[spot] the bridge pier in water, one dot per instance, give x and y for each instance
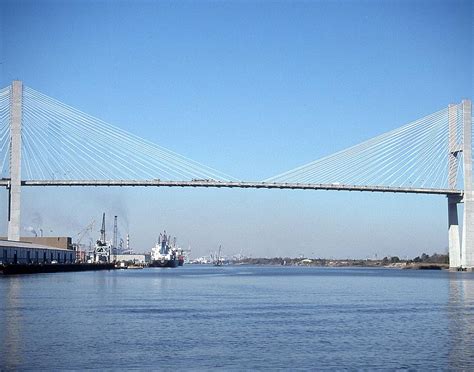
(453, 233)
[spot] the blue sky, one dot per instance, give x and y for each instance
(252, 88)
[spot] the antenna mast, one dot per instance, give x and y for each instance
(115, 233)
(102, 230)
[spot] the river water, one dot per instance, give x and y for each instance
(238, 318)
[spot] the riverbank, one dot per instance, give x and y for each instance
(418, 266)
(342, 263)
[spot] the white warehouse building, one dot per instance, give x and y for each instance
(29, 253)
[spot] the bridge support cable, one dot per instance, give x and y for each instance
(5, 98)
(61, 142)
(455, 145)
(414, 155)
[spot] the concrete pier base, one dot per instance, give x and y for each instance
(454, 234)
(467, 250)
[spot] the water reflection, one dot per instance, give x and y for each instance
(299, 316)
(12, 325)
(461, 321)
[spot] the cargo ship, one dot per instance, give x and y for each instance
(180, 258)
(165, 253)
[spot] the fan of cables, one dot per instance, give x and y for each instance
(5, 95)
(414, 155)
(62, 143)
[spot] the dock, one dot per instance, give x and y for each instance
(13, 269)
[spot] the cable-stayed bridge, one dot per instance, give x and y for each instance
(44, 142)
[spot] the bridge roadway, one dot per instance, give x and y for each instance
(237, 184)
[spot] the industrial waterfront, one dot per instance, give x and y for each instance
(238, 317)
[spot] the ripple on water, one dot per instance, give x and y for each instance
(238, 318)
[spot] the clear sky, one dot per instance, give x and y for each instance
(251, 88)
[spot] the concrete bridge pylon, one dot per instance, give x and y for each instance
(14, 195)
(467, 249)
(461, 251)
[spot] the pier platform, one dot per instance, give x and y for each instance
(12, 269)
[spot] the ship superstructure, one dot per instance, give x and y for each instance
(102, 249)
(166, 252)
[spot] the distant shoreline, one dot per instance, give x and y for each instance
(319, 262)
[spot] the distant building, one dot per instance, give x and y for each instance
(64, 242)
(132, 258)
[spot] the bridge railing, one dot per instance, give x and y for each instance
(234, 184)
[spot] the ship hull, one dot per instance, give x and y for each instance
(164, 263)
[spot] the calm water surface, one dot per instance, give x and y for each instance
(239, 318)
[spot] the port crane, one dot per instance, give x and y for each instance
(80, 235)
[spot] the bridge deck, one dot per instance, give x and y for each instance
(238, 184)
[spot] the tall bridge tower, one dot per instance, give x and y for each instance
(467, 252)
(15, 161)
(461, 251)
